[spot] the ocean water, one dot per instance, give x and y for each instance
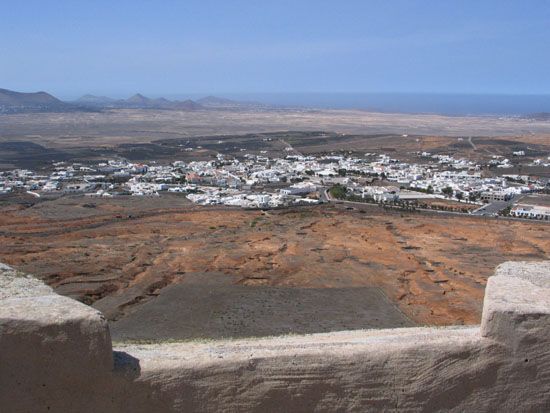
(446, 104)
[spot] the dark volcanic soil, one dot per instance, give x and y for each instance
(208, 305)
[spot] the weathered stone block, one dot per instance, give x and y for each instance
(52, 348)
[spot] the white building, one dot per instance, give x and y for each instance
(301, 188)
(531, 211)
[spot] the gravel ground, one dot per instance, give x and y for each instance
(210, 307)
(14, 284)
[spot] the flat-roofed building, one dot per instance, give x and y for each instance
(531, 211)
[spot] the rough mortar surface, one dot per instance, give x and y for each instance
(56, 355)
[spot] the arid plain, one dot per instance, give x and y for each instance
(224, 272)
(120, 254)
(34, 140)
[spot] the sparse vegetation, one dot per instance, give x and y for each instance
(447, 191)
(506, 211)
(338, 191)
(255, 222)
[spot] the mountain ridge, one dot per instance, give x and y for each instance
(29, 102)
(23, 102)
(11, 97)
(138, 101)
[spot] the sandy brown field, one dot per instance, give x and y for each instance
(119, 254)
(62, 130)
(35, 141)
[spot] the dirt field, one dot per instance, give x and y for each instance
(135, 134)
(211, 305)
(537, 199)
(34, 141)
(447, 204)
(120, 253)
(60, 130)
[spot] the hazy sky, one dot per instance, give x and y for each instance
(177, 47)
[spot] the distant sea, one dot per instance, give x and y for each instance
(445, 104)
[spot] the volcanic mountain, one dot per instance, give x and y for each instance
(186, 105)
(94, 100)
(214, 101)
(19, 102)
(137, 101)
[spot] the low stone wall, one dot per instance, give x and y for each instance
(56, 355)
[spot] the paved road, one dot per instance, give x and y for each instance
(491, 209)
(288, 145)
(495, 207)
(325, 197)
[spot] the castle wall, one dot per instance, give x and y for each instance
(56, 355)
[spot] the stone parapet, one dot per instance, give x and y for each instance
(56, 353)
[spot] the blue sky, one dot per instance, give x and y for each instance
(178, 47)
